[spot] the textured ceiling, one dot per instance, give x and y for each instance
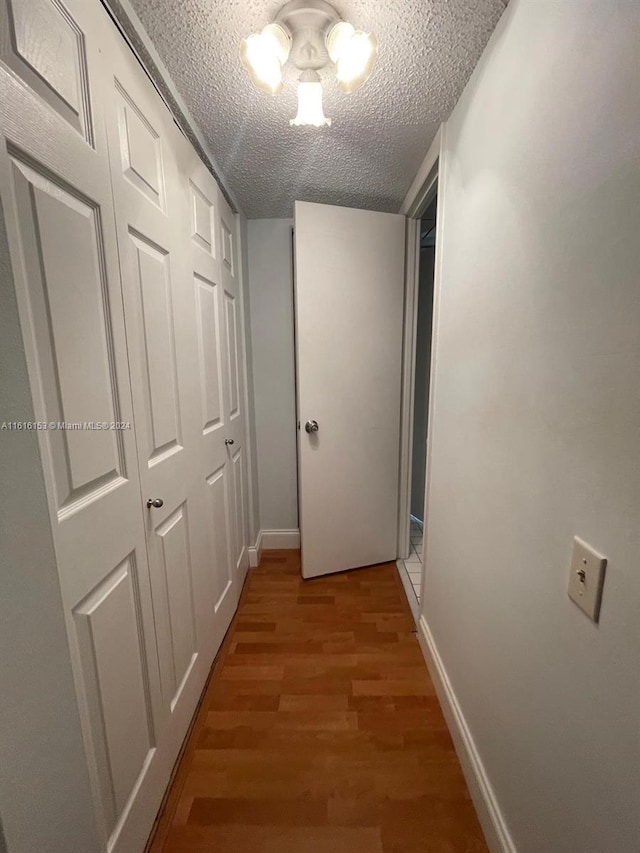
(380, 134)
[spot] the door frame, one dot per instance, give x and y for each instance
(428, 182)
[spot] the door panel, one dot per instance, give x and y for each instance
(76, 364)
(228, 247)
(239, 508)
(174, 575)
(58, 206)
(218, 494)
(140, 149)
(232, 355)
(45, 46)
(349, 299)
(203, 227)
(209, 346)
(152, 275)
(117, 681)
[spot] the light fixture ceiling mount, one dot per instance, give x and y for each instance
(309, 35)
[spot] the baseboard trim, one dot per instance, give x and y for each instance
(267, 540)
(493, 823)
(255, 552)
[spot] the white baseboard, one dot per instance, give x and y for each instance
(493, 823)
(255, 552)
(268, 540)
(285, 539)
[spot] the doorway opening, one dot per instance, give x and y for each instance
(421, 388)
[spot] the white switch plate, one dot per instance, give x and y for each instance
(586, 578)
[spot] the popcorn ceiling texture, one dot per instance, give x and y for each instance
(380, 134)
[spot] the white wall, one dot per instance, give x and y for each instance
(536, 428)
(272, 342)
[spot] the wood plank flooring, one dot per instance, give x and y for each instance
(319, 731)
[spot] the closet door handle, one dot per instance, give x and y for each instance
(155, 502)
(228, 441)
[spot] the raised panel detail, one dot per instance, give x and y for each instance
(218, 491)
(47, 51)
(239, 513)
(115, 677)
(202, 220)
(232, 354)
(209, 349)
(227, 247)
(173, 604)
(140, 150)
(63, 253)
(152, 273)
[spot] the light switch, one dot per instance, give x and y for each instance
(586, 578)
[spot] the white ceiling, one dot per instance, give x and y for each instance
(380, 134)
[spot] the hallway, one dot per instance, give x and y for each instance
(320, 730)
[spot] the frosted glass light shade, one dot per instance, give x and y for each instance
(263, 55)
(310, 109)
(338, 38)
(354, 54)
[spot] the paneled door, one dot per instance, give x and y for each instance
(159, 306)
(234, 380)
(219, 429)
(349, 280)
(57, 204)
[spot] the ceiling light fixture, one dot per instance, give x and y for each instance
(310, 109)
(263, 55)
(309, 34)
(354, 54)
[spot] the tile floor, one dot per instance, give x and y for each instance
(413, 563)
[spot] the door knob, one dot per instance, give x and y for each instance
(311, 426)
(229, 441)
(155, 502)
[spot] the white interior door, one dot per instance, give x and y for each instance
(234, 382)
(151, 208)
(56, 197)
(218, 435)
(349, 287)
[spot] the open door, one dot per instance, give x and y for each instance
(349, 285)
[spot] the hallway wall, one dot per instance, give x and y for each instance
(272, 340)
(537, 418)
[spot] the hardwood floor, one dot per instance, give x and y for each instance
(319, 731)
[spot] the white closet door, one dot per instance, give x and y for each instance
(233, 380)
(159, 303)
(56, 197)
(215, 430)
